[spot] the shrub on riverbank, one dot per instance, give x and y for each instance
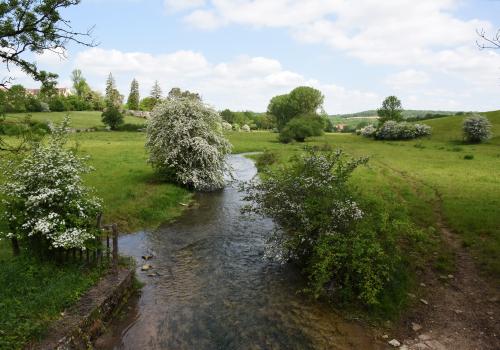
(186, 144)
(45, 202)
(321, 226)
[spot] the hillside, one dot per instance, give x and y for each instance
(450, 128)
(409, 113)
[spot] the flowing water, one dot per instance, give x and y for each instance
(214, 289)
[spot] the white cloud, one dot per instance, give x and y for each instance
(242, 83)
(182, 5)
(407, 79)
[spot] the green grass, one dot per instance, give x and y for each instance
(33, 293)
(133, 196)
(419, 171)
(79, 120)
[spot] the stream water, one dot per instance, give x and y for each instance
(214, 289)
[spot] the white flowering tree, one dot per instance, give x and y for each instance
(186, 144)
(46, 203)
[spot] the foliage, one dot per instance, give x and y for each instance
(186, 144)
(45, 200)
(176, 93)
(265, 159)
(300, 101)
(391, 110)
(300, 128)
(226, 126)
(49, 85)
(368, 131)
(34, 26)
(133, 97)
(112, 117)
(80, 86)
(476, 129)
(156, 94)
(112, 97)
(313, 204)
(392, 130)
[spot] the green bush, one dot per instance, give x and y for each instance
(112, 117)
(299, 128)
(345, 252)
(266, 159)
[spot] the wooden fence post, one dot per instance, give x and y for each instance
(115, 247)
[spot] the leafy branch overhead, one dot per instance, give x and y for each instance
(35, 26)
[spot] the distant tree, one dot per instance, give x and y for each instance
(147, 104)
(133, 97)
(228, 116)
(35, 26)
(112, 117)
(300, 101)
(156, 93)
(299, 128)
(16, 99)
(80, 85)
(176, 93)
(113, 97)
(391, 110)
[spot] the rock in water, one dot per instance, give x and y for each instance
(146, 267)
(394, 343)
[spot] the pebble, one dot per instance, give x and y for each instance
(146, 267)
(451, 276)
(416, 327)
(385, 336)
(394, 343)
(422, 285)
(423, 301)
(411, 295)
(458, 312)
(403, 347)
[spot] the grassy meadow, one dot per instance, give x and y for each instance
(79, 120)
(414, 179)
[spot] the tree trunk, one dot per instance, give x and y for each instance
(15, 246)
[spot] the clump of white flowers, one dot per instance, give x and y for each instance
(186, 144)
(245, 128)
(44, 196)
(368, 131)
(226, 126)
(476, 128)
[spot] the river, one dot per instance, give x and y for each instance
(213, 288)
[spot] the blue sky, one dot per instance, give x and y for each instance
(240, 53)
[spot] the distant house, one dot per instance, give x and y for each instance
(340, 127)
(61, 91)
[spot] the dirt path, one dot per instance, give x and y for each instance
(456, 312)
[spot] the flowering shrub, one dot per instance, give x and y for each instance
(368, 131)
(392, 130)
(476, 128)
(226, 126)
(245, 128)
(186, 144)
(45, 199)
(318, 217)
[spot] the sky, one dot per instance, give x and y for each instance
(238, 54)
